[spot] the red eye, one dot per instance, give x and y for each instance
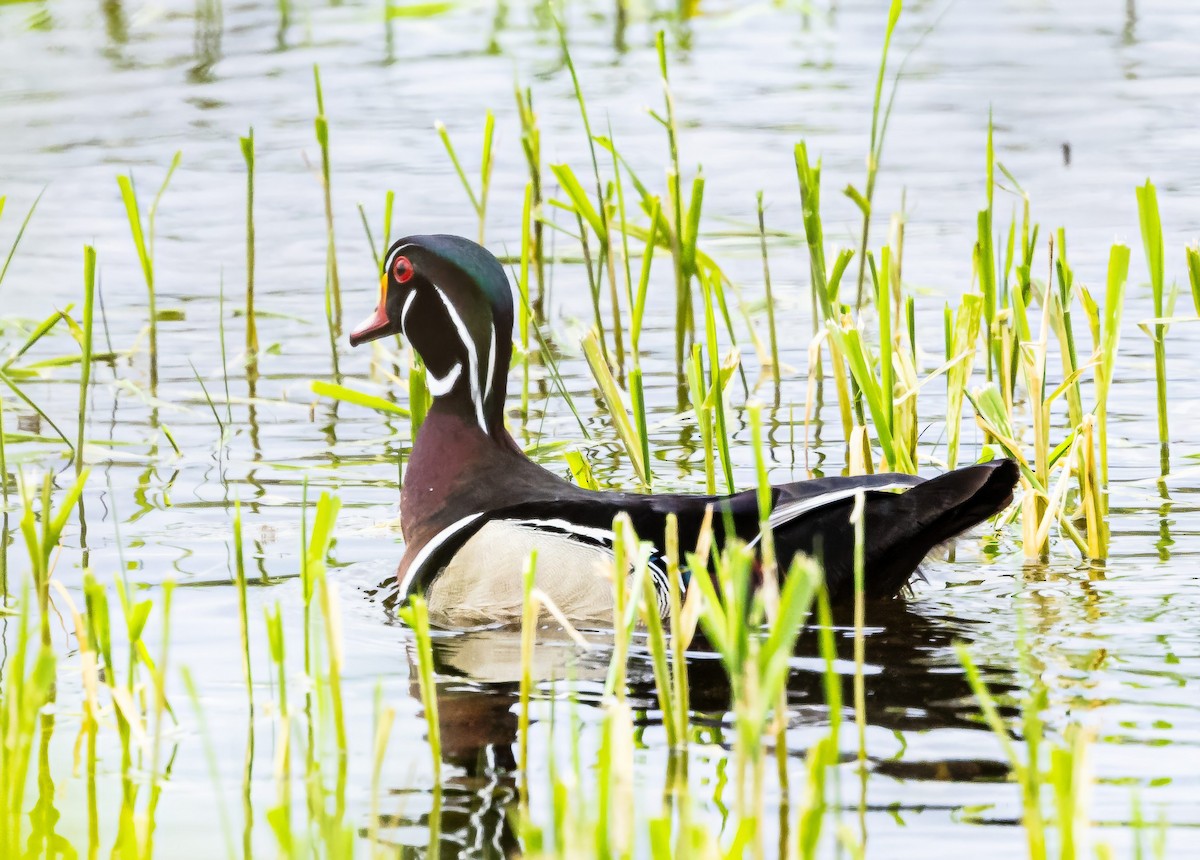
(402, 270)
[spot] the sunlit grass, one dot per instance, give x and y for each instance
(478, 197)
(12, 250)
(143, 243)
(248, 155)
(1164, 301)
(333, 298)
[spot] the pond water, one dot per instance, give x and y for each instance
(1089, 99)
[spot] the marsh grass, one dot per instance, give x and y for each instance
(13, 373)
(1164, 302)
(531, 145)
(881, 381)
(85, 363)
(530, 611)
(478, 198)
(1192, 256)
(143, 243)
(7, 377)
(1042, 765)
(863, 200)
(667, 644)
(29, 684)
(389, 202)
(239, 563)
(595, 215)
(731, 615)
(248, 154)
(4, 504)
(773, 339)
(416, 616)
(525, 305)
(345, 394)
(753, 632)
(333, 297)
(12, 250)
(628, 429)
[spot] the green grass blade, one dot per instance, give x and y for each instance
(20, 232)
(579, 202)
(134, 215)
(419, 10)
(1152, 240)
(358, 398)
(162, 189)
(39, 331)
(1193, 267)
(615, 401)
(7, 380)
(85, 365)
(247, 146)
(444, 134)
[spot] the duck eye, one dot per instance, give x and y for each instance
(402, 270)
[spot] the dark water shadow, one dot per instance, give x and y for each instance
(913, 684)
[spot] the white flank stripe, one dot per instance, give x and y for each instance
(563, 525)
(789, 511)
(438, 387)
(430, 548)
(606, 535)
(408, 302)
(464, 335)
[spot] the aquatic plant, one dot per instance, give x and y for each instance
(143, 243)
(479, 199)
(333, 286)
(247, 146)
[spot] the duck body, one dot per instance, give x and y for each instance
(472, 510)
(473, 506)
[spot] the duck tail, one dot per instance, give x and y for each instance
(902, 528)
(928, 515)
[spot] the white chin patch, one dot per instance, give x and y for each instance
(437, 387)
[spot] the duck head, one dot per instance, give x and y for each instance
(451, 300)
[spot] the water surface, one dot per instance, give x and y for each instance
(88, 91)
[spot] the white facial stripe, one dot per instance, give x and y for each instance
(487, 388)
(430, 548)
(408, 302)
(464, 335)
(438, 387)
(387, 264)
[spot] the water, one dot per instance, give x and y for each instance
(91, 91)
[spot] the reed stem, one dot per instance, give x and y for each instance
(85, 361)
(247, 146)
(321, 124)
(776, 368)
(416, 616)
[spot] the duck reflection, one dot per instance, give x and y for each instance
(913, 684)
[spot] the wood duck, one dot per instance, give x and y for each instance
(473, 505)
